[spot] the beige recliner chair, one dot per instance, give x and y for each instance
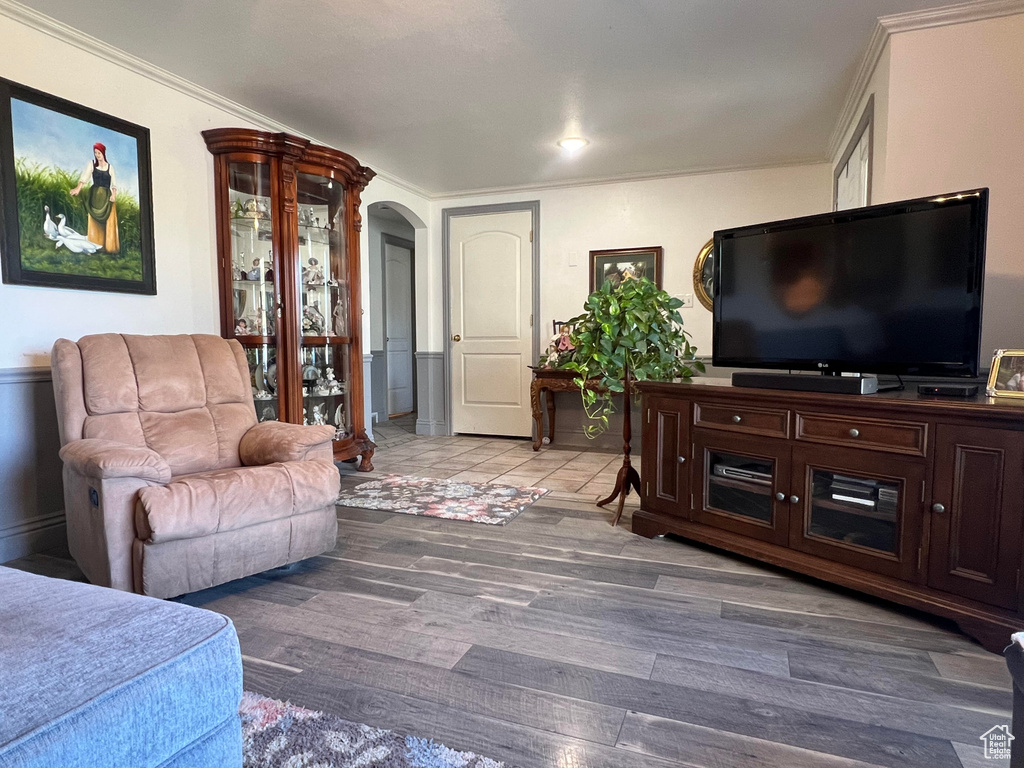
(170, 484)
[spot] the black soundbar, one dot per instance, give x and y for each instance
(840, 385)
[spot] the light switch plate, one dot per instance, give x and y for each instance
(574, 258)
(687, 299)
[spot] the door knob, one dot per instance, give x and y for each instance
(780, 496)
(938, 508)
(456, 337)
(794, 499)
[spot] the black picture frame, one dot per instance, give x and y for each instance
(648, 258)
(138, 237)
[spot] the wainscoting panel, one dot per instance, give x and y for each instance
(32, 500)
(378, 383)
(431, 418)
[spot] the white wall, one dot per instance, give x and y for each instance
(678, 213)
(186, 300)
(877, 86)
(956, 121)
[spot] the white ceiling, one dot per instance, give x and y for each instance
(457, 95)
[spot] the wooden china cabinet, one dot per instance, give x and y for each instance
(288, 255)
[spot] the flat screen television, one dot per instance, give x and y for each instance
(892, 288)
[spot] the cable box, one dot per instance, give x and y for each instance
(948, 390)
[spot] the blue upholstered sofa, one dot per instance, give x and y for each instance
(97, 678)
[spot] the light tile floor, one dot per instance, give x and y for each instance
(585, 474)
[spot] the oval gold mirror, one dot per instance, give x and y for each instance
(704, 275)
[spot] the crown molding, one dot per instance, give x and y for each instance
(59, 30)
(960, 13)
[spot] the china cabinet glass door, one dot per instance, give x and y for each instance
(253, 284)
(324, 301)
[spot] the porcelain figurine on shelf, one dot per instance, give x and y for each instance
(313, 274)
(242, 327)
(340, 321)
(313, 320)
(320, 414)
(333, 385)
(255, 272)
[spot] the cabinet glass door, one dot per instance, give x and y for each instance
(740, 486)
(325, 322)
(253, 285)
(856, 508)
(860, 511)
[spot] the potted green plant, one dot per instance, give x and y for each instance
(632, 332)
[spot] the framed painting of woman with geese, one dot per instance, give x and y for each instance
(76, 202)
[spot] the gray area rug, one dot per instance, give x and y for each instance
(276, 734)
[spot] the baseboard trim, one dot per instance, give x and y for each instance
(433, 428)
(23, 375)
(36, 535)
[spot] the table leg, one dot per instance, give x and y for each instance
(538, 415)
(549, 395)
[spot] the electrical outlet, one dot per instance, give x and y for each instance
(687, 299)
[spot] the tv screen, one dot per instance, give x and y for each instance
(892, 288)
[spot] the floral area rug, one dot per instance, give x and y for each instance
(276, 734)
(449, 499)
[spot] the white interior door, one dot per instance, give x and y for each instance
(398, 327)
(491, 279)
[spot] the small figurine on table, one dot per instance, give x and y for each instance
(242, 328)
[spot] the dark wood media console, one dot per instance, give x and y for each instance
(918, 500)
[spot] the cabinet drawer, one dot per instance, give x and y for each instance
(753, 421)
(908, 437)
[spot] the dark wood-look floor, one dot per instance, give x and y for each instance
(560, 642)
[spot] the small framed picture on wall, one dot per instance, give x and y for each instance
(614, 266)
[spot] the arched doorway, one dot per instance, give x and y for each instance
(391, 304)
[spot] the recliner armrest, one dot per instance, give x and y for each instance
(273, 441)
(103, 459)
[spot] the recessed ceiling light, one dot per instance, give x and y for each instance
(572, 144)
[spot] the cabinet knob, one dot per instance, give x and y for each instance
(854, 433)
(794, 499)
(780, 496)
(456, 337)
(681, 459)
(737, 419)
(938, 508)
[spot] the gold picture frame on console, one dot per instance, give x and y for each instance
(1006, 378)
